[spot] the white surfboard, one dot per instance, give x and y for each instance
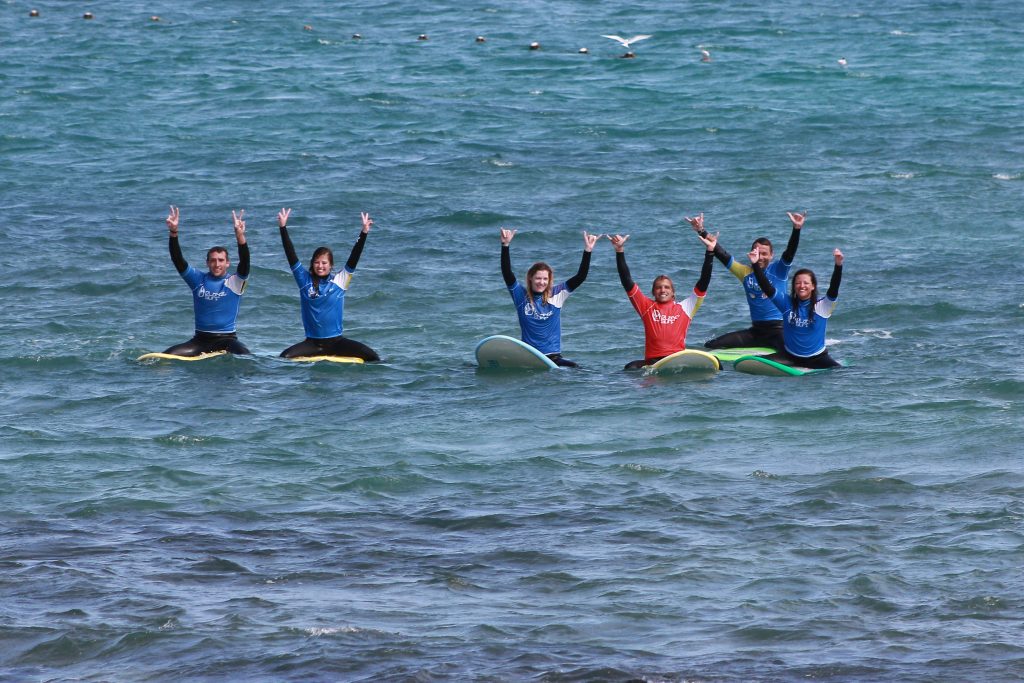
(172, 356)
(506, 353)
(686, 360)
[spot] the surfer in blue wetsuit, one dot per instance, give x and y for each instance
(804, 314)
(766, 322)
(322, 298)
(215, 295)
(539, 304)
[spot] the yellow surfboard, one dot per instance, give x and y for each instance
(328, 359)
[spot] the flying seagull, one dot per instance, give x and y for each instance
(626, 43)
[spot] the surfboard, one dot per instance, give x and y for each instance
(735, 353)
(171, 356)
(506, 353)
(687, 360)
(756, 365)
(327, 359)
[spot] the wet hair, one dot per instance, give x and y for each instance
(214, 250)
(320, 251)
(795, 301)
(538, 266)
(765, 241)
(659, 279)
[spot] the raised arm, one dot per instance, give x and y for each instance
(243, 248)
(180, 264)
(576, 280)
(794, 237)
(697, 223)
(506, 258)
(619, 243)
(762, 280)
(710, 241)
(837, 276)
(357, 248)
(286, 240)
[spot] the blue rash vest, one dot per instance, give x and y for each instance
(215, 300)
(803, 338)
(540, 323)
(323, 308)
(761, 308)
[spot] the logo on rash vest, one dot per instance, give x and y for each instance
(532, 311)
(204, 293)
(797, 321)
(659, 317)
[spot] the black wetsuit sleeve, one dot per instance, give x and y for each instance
(833, 286)
(705, 272)
(357, 251)
(762, 281)
(506, 266)
(624, 276)
(243, 261)
(576, 280)
(790, 253)
(720, 253)
(176, 258)
(289, 248)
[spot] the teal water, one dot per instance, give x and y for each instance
(251, 519)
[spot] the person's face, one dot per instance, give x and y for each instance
(218, 263)
(322, 266)
(664, 291)
(539, 281)
(803, 286)
(764, 255)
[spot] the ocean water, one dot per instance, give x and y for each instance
(252, 519)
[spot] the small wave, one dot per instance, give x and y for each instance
(901, 176)
(219, 565)
(876, 333)
(1006, 176)
(317, 631)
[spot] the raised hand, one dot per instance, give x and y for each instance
(282, 217)
(797, 218)
(709, 240)
(697, 222)
(172, 221)
(239, 222)
(589, 241)
(838, 256)
(367, 221)
(754, 256)
(618, 241)
(507, 235)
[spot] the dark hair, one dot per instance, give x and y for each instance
(795, 302)
(214, 250)
(765, 241)
(539, 265)
(320, 251)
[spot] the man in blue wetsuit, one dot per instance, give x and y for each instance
(766, 320)
(215, 294)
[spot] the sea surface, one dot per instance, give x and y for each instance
(253, 519)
